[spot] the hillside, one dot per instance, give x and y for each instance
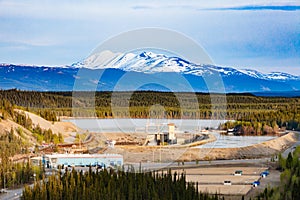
(7, 125)
(107, 71)
(27, 129)
(56, 127)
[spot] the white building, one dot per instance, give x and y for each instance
(73, 160)
(172, 135)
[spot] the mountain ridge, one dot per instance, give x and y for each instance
(143, 71)
(154, 63)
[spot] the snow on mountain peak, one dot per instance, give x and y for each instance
(281, 76)
(253, 73)
(270, 76)
(149, 54)
(149, 62)
(101, 60)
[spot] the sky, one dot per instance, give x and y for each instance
(262, 35)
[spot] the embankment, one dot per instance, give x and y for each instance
(263, 149)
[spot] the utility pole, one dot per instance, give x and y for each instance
(153, 155)
(160, 154)
(4, 180)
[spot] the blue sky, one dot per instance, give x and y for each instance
(262, 35)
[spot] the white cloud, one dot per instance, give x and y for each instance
(19, 39)
(68, 30)
(60, 9)
(67, 9)
(36, 42)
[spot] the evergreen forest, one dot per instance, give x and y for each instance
(115, 185)
(289, 188)
(255, 115)
(110, 184)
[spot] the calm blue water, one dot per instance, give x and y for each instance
(224, 141)
(139, 125)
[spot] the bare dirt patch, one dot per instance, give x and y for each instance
(222, 170)
(225, 189)
(7, 125)
(64, 128)
(211, 179)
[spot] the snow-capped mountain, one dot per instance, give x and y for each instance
(149, 62)
(269, 76)
(146, 62)
(143, 71)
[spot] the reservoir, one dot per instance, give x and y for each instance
(225, 141)
(182, 125)
(140, 125)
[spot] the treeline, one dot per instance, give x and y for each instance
(46, 135)
(14, 174)
(11, 173)
(48, 114)
(120, 185)
(39, 133)
(289, 179)
(13, 143)
(10, 144)
(285, 112)
(250, 128)
(6, 109)
(34, 99)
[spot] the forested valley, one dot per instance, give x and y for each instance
(150, 185)
(255, 115)
(15, 144)
(116, 185)
(15, 173)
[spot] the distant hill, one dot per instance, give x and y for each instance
(145, 71)
(278, 94)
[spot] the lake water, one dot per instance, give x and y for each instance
(182, 125)
(139, 125)
(225, 141)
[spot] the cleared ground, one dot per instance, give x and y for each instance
(222, 170)
(219, 179)
(135, 154)
(225, 189)
(211, 179)
(270, 181)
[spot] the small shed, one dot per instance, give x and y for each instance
(227, 182)
(264, 174)
(238, 173)
(255, 183)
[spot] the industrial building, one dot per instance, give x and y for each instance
(166, 137)
(82, 160)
